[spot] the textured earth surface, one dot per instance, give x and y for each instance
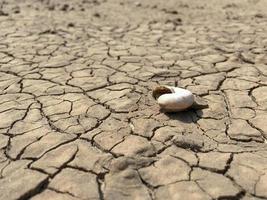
(77, 119)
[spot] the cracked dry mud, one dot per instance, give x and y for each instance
(78, 120)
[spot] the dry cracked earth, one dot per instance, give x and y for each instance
(77, 119)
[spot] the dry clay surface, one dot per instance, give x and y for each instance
(77, 119)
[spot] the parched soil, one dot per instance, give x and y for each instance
(77, 118)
